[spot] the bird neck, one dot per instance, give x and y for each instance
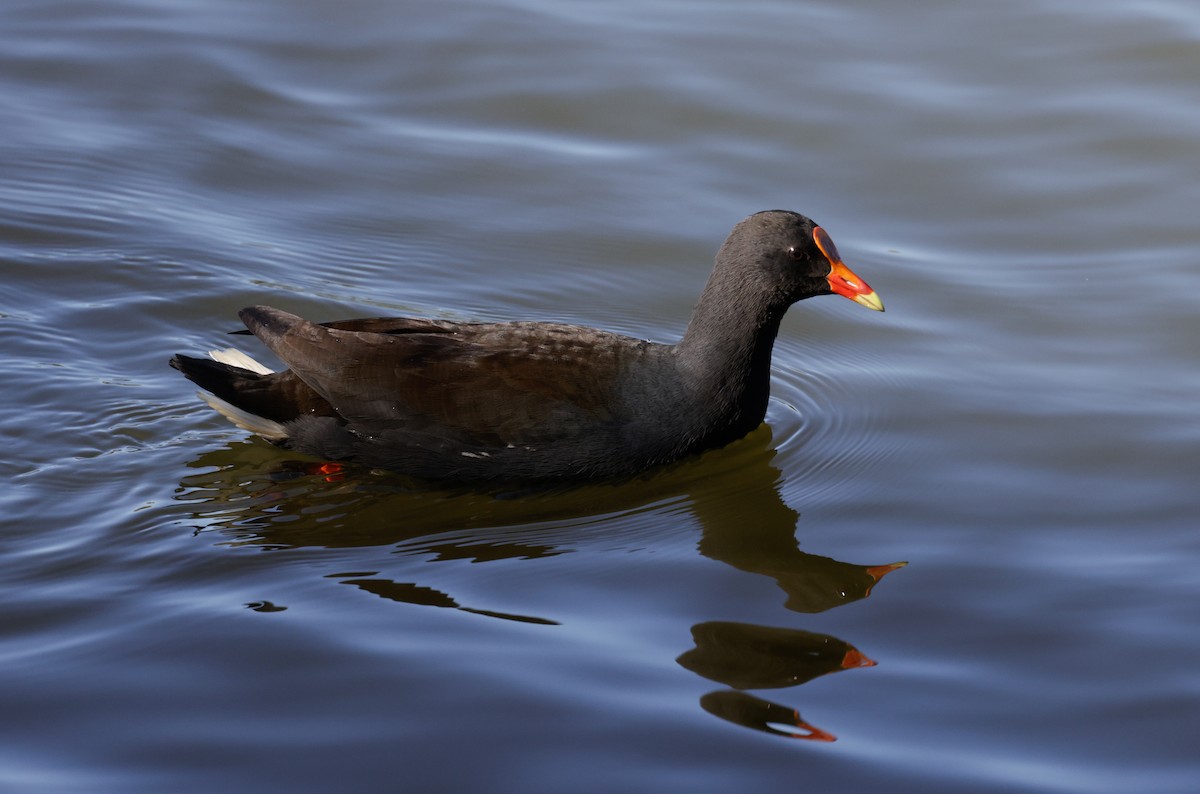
(726, 351)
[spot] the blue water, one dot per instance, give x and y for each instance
(1017, 181)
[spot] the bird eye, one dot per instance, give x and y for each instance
(794, 252)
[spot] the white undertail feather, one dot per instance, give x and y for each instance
(267, 428)
(236, 358)
(260, 426)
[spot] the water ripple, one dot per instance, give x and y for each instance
(826, 419)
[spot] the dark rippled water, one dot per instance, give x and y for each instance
(1018, 181)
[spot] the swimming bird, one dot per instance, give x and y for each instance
(531, 402)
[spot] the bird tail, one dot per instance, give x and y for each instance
(228, 375)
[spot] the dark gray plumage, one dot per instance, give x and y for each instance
(529, 401)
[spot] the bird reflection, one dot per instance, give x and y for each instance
(761, 715)
(243, 493)
(409, 593)
(743, 656)
(247, 495)
(761, 657)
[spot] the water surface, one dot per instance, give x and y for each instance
(1018, 182)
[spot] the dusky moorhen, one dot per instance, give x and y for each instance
(531, 402)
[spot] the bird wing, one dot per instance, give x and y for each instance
(501, 384)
